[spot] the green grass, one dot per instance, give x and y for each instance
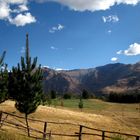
(98, 106)
(94, 104)
(88, 104)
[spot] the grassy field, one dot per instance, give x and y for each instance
(96, 113)
(99, 106)
(88, 104)
(12, 136)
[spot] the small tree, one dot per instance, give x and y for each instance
(49, 100)
(67, 96)
(3, 79)
(85, 94)
(53, 94)
(81, 105)
(26, 85)
(2, 58)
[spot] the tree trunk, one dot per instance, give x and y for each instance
(28, 130)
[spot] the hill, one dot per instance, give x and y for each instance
(112, 77)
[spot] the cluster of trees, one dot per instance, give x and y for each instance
(23, 84)
(52, 95)
(129, 97)
(3, 79)
(54, 98)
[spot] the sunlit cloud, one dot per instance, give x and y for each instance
(91, 5)
(133, 50)
(114, 59)
(59, 27)
(110, 18)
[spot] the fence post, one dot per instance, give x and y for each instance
(80, 132)
(137, 137)
(44, 132)
(50, 134)
(0, 116)
(0, 119)
(103, 135)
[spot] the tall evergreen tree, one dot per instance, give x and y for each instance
(2, 58)
(3, 79)
(26, 84)
(53, 94)
(85, 94)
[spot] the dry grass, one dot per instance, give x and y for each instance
(6, 135)
(115, 118)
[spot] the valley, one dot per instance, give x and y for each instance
(96, 114)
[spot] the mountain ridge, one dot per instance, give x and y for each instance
(115, 77)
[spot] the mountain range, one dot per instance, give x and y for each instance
(116, 77)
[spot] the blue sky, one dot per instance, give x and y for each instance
(71, 34)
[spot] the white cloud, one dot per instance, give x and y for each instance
(23, 8)
(53, 48)
(45, 66)
(91, 5)
(58, 69)
(119, 52)
(15, 1)
(132, 2)
(23, 19)
(59, 27)
(19, 18)
(109, 31)
(7, 7)
(134, 49)
(114, 59)
(4, 10)
(110, 18)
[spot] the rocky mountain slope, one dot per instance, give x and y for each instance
(112, 77)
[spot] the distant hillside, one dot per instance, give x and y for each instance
(112, 77)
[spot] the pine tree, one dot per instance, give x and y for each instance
(53, 94)
(81, 105)
(2, 58)
(3, 79)
(26, 84)
(85, 94)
